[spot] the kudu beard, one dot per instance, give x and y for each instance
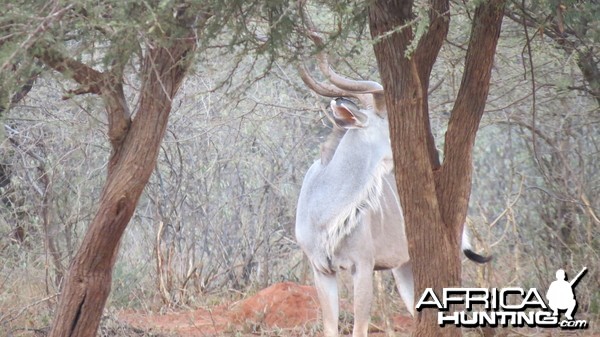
(493, 307)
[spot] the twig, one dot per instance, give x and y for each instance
(11, 316)
(508, 208)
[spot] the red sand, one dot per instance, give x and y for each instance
(281, 306)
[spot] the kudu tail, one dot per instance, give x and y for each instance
(471, 255)
(468, 250)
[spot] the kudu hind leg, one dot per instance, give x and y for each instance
(405, 283)
(327, 291)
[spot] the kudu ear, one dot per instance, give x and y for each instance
(347, 115)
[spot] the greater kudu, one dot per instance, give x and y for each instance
(349, 215)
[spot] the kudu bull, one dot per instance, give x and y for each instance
(349, 215)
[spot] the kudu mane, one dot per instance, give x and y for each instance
(367, 200)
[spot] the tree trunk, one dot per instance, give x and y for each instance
(434, 197)
(135, 149)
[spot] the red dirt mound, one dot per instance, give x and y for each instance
(283, 305)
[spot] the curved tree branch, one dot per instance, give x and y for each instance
(108, 85)
(468, 110)
(88, 77)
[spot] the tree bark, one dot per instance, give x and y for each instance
(434, 196)
(428, 49)
(135, 144)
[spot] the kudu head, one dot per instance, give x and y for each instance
(369, 117)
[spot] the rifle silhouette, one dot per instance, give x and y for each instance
(578, 277)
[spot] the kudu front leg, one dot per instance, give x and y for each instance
(327, 291)
(363, 296)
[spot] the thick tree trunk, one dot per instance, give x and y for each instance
(434, 197)
(135, 148)
(435, 259)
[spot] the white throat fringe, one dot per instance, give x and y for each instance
(368, 200)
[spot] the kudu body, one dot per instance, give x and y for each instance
(349, 215)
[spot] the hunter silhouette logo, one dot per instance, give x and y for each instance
(561, 294)
(511, 306)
